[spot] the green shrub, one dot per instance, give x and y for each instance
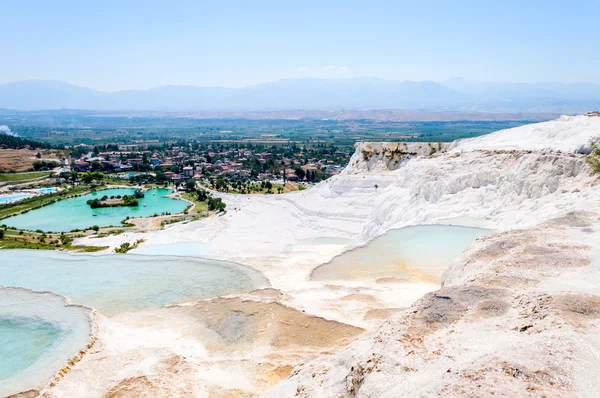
(124, 248)
(593, 159)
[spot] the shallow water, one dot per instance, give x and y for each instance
(16, 196)
(75, 213)
(414, 253)
(117, 283)
(46, 190)
(190, 249)
(22, 342)
(39, 332)
(466, 221)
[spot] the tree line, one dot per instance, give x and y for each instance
(13, 142)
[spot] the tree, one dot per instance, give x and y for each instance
(95, 228)
(202, 195)
(220, 184)
(318, 174)
(160, 177)
(216, 204)
(190, 185)
(299, 171)
(87, 177)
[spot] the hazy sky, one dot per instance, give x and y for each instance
(111, 45)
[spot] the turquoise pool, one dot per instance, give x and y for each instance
(117, 283)
(419, 252)
(24, 340)
(46, 190)
(39, 333)
(16, 196)
(75, 213)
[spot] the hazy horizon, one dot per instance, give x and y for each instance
(113, 46)
(312, 93)
(442, 82)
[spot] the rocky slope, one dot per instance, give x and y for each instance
(518, 315)
(223, 347)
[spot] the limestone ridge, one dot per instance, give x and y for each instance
(511, 187)
(388, 156)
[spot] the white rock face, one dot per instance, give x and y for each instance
(505, 323)
(518, 314)
(512, 189)
(373, 157)
(569, 134)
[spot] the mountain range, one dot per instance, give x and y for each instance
(358, 93)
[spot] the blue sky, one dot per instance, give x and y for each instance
(112, 45)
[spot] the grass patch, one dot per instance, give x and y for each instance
(108, 233)
(14, 239)
(16, 177)
(199, 207)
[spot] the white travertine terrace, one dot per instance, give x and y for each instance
(511, 179)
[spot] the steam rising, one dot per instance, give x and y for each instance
(4, 129)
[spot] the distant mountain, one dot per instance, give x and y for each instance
(358, 93)
(47, 94)
(547, 97)
(284, 94)
(489, 90)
